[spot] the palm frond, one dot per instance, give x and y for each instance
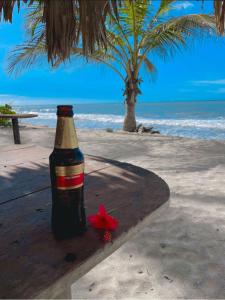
(99, 56)
(150, 68)
(165, 6)
(169, 36)
(132, 15)
(33, 19)
(26, 55)
(117, 46)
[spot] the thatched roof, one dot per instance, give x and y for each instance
(62, 28)
(219, 6)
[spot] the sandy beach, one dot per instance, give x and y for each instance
(181, 255)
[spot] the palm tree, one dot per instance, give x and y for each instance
(132, 38)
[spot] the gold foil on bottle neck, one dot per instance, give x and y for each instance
(69, 170)
(66, 137)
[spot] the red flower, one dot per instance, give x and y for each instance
(102, 220)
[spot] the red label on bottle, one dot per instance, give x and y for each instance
(70, 177)
(70, 182)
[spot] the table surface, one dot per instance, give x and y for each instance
(17, 116)
(32, 262)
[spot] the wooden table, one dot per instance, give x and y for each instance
(15, 123)
(32, 263)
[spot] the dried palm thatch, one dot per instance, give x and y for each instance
(68, 20)
(219, 7)
(219, 10)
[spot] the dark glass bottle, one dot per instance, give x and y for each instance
(67, 178)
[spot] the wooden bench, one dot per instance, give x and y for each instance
(15, 123)
(32, 262)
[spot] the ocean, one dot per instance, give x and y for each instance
(200, 120)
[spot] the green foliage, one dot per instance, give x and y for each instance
(6, 109)
(165, 7)
(140, 31)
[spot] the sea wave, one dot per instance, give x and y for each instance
(118, 119)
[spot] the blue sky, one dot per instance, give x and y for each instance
(198, 73)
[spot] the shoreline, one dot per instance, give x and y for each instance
(29, 126)
(195, 120)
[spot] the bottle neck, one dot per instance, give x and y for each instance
(66, 137)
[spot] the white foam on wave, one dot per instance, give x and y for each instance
(198, 123)
(118, 119)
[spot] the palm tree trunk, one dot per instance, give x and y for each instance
(130, 120)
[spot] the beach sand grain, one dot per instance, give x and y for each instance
(180, 255)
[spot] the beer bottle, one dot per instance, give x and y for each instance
(67, 178)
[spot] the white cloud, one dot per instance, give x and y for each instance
(183, 5)
(209, 82)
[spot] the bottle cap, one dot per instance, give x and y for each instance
(65, 110)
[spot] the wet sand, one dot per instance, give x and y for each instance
(181, 255)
